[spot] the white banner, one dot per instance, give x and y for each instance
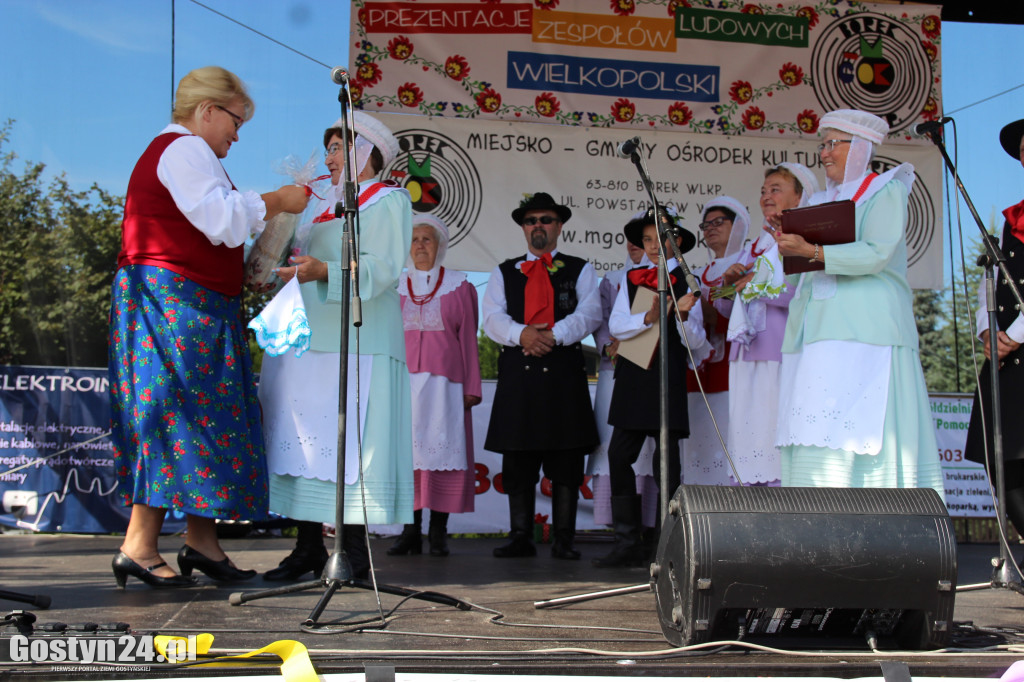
(473, 174)
(966, 485)
(701, 66)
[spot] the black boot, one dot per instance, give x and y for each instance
(437, 534)
(353, 542)
(629, 547)
(520, 516)
(411, 539)
(564, 499)
(309, 555)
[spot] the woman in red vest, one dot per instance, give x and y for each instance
(184, 417)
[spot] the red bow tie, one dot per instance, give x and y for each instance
(647, 277)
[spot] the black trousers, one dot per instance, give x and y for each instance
(520, 471)
(623, 450)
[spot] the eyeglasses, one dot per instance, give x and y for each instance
(543, 220)
(235, 118)
(332, 150)
(717, 222)
(831, 145)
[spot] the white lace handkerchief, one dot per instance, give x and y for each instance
(741, 328)
(283, 323)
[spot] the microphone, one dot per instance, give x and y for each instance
(339, 75)
(626, 149)
(929, 127)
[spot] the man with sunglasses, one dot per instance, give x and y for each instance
(539, 307)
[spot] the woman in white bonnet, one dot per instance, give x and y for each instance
(300, 395)
(757, 324)
(439, 312)
(725, 224)
(854, 409)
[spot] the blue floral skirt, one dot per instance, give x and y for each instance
(185, 420)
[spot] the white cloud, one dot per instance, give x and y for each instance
(122, 25)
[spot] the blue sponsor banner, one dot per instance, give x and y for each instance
(613, 77)
(56, 459)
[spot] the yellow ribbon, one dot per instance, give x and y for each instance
(295, 663)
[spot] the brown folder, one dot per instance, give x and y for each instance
(824, 224)
(640, 349)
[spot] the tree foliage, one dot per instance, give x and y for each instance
(946, 324)
(58, 260)
(488, 356)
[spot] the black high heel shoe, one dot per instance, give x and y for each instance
(124, 566)
(221, 571)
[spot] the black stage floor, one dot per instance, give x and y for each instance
(504, 634)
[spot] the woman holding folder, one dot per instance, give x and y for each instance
(854, 409)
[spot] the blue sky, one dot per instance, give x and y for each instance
(88, 83)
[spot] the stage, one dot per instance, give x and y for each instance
(502, 634)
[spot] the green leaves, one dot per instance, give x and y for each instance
(57, 262)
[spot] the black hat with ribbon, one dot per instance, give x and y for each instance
(541, 201)
(634, 229)
(1010, 137)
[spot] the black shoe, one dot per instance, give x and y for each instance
(409, 542)
(354, 545)
(564, 499)
(518, 546)
(629, 547)
(622, 555)
(301, 561)
(124, 566)
(438, 533)
(221, 571)
(561, 551)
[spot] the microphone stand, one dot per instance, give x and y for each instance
(663, 379)
(1004, 571)
(338, 570)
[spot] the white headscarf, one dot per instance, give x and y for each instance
(738, 235)
(371, 133)
(808, 181)
(866, 131)
(423, 281)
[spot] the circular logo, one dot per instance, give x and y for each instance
(874, 63)
(920, 212)
(441, 179)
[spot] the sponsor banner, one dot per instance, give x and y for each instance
(967, 489)
(472, 176)
(44, 410)
(56, 459)
(700, 66)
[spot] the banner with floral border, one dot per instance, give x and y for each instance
(473, 175)
(700, 66)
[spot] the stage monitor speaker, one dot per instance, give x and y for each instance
(806, 567)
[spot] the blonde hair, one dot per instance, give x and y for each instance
(210, 85)
(789, 175)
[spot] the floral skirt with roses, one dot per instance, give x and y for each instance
(184, 417)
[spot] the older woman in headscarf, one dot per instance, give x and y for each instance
(854, 409)
(725, 225)
(300, 394)
(439, 313)
(756, 327)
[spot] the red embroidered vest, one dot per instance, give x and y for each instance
(155, 232)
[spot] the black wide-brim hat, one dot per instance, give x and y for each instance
(634, 230)
(1010, 137)
(541, 201)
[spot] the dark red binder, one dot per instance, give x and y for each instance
(825, 224)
